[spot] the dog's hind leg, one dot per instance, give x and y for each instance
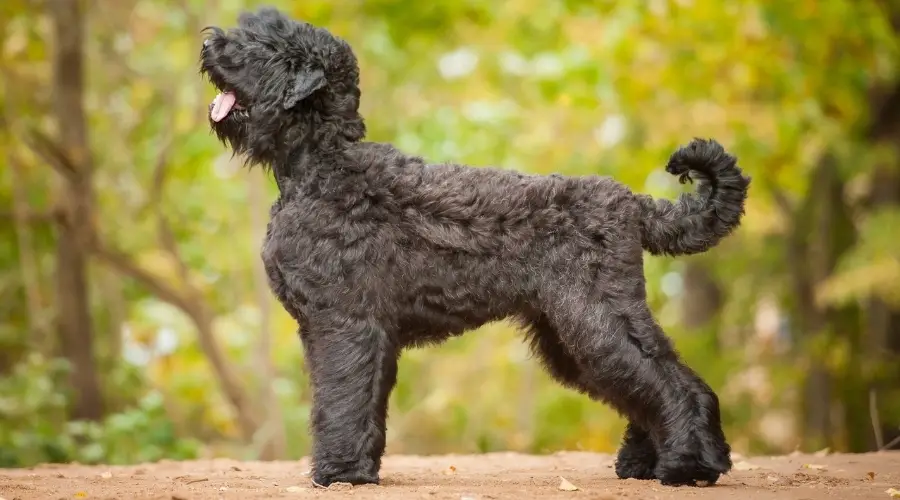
(699, 446)
(656, 393)
(353, 367)
(636, 458)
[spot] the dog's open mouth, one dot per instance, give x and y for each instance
(223, 104)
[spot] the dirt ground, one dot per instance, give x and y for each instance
(491, 476)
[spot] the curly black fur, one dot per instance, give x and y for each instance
(372, 251)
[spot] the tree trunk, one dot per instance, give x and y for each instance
(826, 219)
(822, 232)
(882, 346)
(73, 318)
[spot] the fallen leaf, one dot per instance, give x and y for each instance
(814, 466)
(80, 494)
(893, 492)
(824, 452)
(106, 475)
(870, 475)
(745, 466)
(565, 485)
(450, 470)
(293, 489)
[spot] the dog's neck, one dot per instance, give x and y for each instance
(307, 163)
(318, 138)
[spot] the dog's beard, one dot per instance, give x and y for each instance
(232, 128)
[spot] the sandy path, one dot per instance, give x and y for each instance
(492, 476)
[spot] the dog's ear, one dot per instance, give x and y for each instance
(304, 84)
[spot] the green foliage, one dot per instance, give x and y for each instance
(872, 268)
(32, 412)
(34, 427)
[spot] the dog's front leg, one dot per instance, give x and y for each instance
(353, 367)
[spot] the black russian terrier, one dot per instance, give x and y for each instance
(373, 250)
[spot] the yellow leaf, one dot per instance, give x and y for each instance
(565, 485)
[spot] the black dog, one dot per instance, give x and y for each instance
(373, 251)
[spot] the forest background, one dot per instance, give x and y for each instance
(135, 320)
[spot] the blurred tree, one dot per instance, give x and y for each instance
(70, 155)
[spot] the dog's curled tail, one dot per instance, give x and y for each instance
(697, 221)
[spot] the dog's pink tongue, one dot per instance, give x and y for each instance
(222, 106)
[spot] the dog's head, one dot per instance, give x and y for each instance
(282, 84)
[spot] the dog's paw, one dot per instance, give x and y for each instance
(350, 476)
(636, 460)
(637, 455)
(686, 470)
(633, 468)
(356, 473)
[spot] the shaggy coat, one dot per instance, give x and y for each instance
(373, 250)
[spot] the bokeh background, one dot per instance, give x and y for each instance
(135, 320)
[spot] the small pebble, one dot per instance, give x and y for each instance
(340, 486)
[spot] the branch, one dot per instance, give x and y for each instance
(30, 216)
(160, 173)
(194, 308)
(167, 240)
(890, 445)
(158, 287)
(876, 422)
(784, 204)
(49, 151)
